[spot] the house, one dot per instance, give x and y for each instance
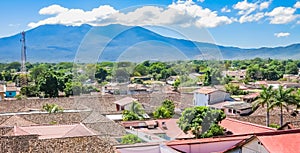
(207, 96)
(53, 131)
(233, 108)
(291, 85)
(166, 128)
(170, 80)
(11, 90)
(138, 89)
(236, 75)
(290, 125)
(275, 84)
(286, 141)
(238, 108)
(250, 97)
(2, 92)
(124, 103)
(291, 77)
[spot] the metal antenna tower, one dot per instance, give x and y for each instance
(23, 78)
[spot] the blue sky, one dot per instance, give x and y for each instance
(241, 23)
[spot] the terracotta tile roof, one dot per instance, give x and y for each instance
(251, 95)
(125, 101)
(55, 131)
(281, 143)
(220, 105)
(11, 88)
(17, 121)
(206, 90)
(240, 127)
(2, 88)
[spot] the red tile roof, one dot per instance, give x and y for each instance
(54, 131)
(206, 90)
(251, 95)
(281, 143)
(125, 101)
(240, 127)
(17, 121)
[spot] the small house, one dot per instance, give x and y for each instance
(171, 80)
(2, 92)
(238, 108)
(208, 96)
(124, 104)
(236, 75)
(11, 90)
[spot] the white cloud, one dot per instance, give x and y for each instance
(250, 12)
(282, 15)
(225, 10)
(52, 9)
(264, 5)
(245, 7)
(297, 4)
(251, 18)
(184, 13)
(298, 22)
(281, 34)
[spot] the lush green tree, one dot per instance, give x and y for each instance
(49, 84)
(13, 66)
(73, 88)
(291, 68)
(207, 78)
(37, 71)
(200, 121)
(101, 74)
(130, 116)
(130, 139)
(7, 75)
(52, 108)
(137, 108)
(282, 98)
(169, 104)
(30, 90)
(176, 84)
(234, 89)
(135, 112)
(265, 99)
(161, 112)
(141, 69)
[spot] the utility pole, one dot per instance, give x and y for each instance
(23, 74)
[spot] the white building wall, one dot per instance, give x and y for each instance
(254, 146)
(200, 99)
(218, 96)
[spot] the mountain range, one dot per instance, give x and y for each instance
(58, 43)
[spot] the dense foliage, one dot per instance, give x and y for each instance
(50, 79)
(166, 110)
(130, 139)
(135, 112)
(52, 108)
(202, 121)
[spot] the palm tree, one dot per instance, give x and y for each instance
(137, 108)
(282, 98)
(265, 98)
